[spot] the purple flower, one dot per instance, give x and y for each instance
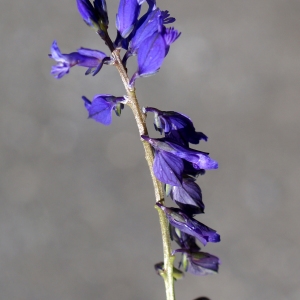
(151, 22)
(102, 106)
(199, 159)
(127, 15)
(166, 151)
(176, 126)
(124, 42)
(94, 16)
(92, 59)
(87, 12)
(101, 9)
(152, 52)
(188, 196)
(145, 29)
(199, 263)
(190, 225)
(168, 168)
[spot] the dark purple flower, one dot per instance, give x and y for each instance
(92, 59)
(124, 42)
(176, 125)
(200, 160)
(168, 168)
(190, 225)
(151, 22)
(94, 16)
(101, 9)
(151, 55)
(87, 12)
(145, 29)
(127, 15)
(199, 263)
(185, 241)
(102, 106)
(188, 196)
(152, 52)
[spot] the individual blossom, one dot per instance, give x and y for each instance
(189, 225)
(169, 160)
(100, 109)
(101, 9)
(124, 42)
(188, 196)
(91, 59)
(175, 125)
(94, 16)
(127, 16)
(144, 29)
(199, 263)
(168, 168)
(150, 57)
(152, 52)
(151, 22)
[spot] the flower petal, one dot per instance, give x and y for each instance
(151, 55)
(127, 15)
(101, 108)
(168, 168)
(190, 225)
(188, 196)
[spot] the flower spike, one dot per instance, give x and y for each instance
(174, 164)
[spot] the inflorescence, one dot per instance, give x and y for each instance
(175, 164)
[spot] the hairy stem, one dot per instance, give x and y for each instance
(140, 119)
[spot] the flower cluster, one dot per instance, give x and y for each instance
(176, 165)
(145, 36)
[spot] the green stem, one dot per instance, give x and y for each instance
(140, 119)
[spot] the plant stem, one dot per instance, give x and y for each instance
(140, 119)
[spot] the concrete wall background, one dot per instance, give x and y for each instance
(76, 202)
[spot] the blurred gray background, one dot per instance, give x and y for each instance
(76, 200)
